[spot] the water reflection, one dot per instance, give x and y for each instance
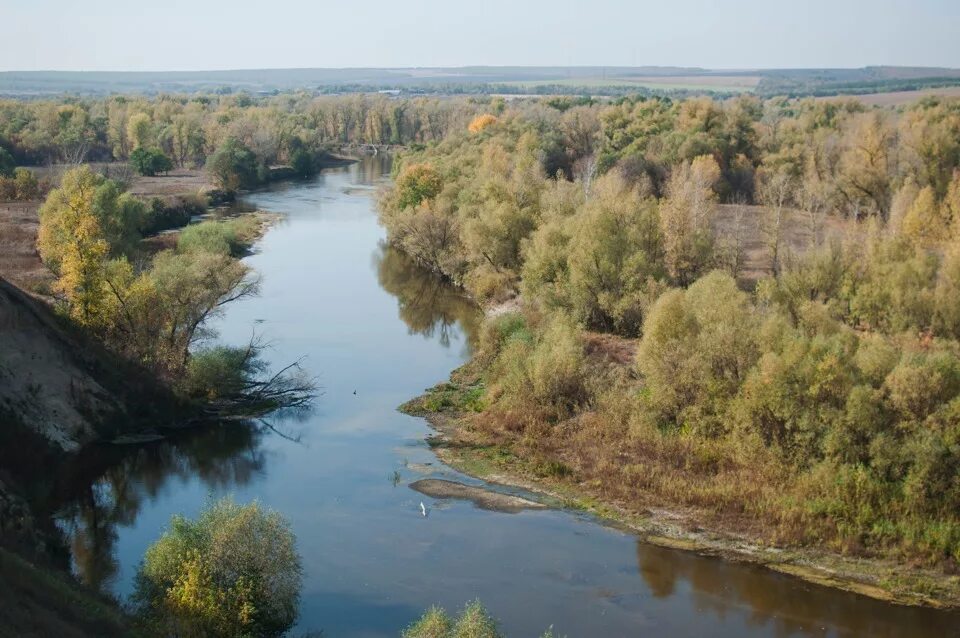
(428, 304)
(108, 485)
(370, 170)
(783, 605)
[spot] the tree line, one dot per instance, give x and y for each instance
(169, 131)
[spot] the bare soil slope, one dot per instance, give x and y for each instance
(60, 384)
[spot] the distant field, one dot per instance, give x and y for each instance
(722, 83)
(899, 98)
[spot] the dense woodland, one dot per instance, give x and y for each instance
(819, 404)
(190, 131)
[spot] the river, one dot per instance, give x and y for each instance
(376, 331)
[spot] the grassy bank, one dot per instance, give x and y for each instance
(465, 440)
(41, 602)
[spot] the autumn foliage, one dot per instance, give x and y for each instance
(481, 122)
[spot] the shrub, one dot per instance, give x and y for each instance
(698, 347)
(161, 216)
(22, 186)
(481, 122)
(473, 622)
(301, 161)
(544, 371)
(149, 162)
(220, 237)
(417, 183)
(234, 571)
(234, 166)
(219, 373)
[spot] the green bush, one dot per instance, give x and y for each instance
(234, 166)
(149, 162)
(473, 622)
(233, 571)
(230, 237)
(219, 373)
(543, 371)
(161, 216)
(7, 163)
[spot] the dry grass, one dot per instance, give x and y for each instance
(180, 181)
(719, 81)
(799, 232)
(898, 98)
(19, 260)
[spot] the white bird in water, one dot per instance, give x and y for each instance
(423, 509)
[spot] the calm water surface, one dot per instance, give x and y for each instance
(376, 331)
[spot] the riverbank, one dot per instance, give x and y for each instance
(450, 409)
(63, 391)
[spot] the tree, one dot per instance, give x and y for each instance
(234, 571)
(139, 130)
(951, 205)
(234, 166)
(776, 190)
(25, 184)
(162, 311)
(685, 218)
(865, 165)
(149, 162)
(481, 122)
(615, 257)
(698, 346)
(7, 164)
(416, 183)
(301, 160)
(72, 242)
(926, 219)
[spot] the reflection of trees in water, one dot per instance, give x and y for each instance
(370, 168)
(428, 305)
(108, 486)
(787, 605)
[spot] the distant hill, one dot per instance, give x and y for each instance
(612, 80)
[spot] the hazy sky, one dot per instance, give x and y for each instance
(235, 34)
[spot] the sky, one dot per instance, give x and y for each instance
(126, 35)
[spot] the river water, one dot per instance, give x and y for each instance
(376, 331)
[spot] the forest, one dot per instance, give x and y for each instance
(745, 307)
(188, 129)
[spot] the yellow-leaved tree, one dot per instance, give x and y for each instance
(481, 122)
(924, 219)
(72, 243)
(138, 130)
(685, 218)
